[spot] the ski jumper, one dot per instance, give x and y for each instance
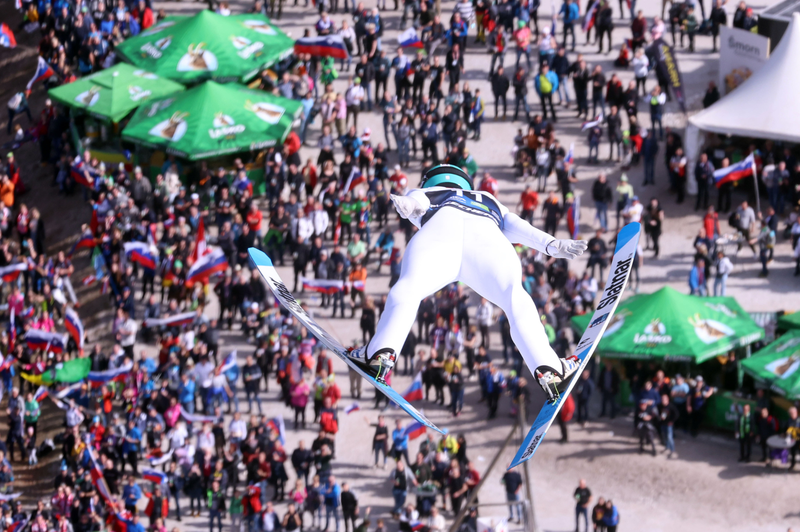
(467, 236)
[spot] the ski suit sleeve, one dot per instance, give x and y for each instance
(412, 206)
(518, 231)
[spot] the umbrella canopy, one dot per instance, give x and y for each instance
(777, 365)
(674, 326)
(113, 93)
(208, 46)
(789, 321)
(213, 119)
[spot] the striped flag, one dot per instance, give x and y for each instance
(588, 19)
(89, 279)
(574, 216)
(85, 241)
(322, 46)
(200, 246)
(276, 425)
(197, 418)
(43, 71)
(41, 393)
(570, 157)
(99, 378)
(210, 264)
(78, 172)
(155, 476)
(141, 253)
(41, 340)
(592, 123)
(7, 38)
(415, 430)
(414, 392)
(735, 172)
(98, 479)
(352, 408)
(178, 320)
(10, 273)
(74, 326)
(353, 180)
(410, 39)
(323, 286)
(229, 362)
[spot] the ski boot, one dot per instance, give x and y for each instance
(378, 366)
(549, 379)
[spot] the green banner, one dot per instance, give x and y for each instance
(668, 325)
(113, 93)
(208, 46)
(213, 119)
(776, 366)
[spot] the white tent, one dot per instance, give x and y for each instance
(766, 106)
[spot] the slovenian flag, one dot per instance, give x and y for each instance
(41, 394)
(415, 430)
(592, 123)
(154, 476)
(7, 38)
(17, 526)
(353, 180)
(410, 39)
(10, 273)
(158, 460)
(322, 46)
(570, 158)
(74, 326)
(414, 392)
(43, 71)
(323, 286)
(78, 171)
(69, 390)
(141, 253)
(228, 363)
(206, 266)
(178, 320)
(352, 408)
(98, 479)
(41, 340)
(276, 425)
(588, 19)
(735, 172)
(100, 378)
(28, 313)
(86, 241)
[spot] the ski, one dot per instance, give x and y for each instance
(265, 267)
(627, 242)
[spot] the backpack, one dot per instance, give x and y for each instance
(734, 220)
(545, 87)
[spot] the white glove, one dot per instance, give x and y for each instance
(407, 207)
(566, 249)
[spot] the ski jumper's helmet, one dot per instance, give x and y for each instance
(446, 175)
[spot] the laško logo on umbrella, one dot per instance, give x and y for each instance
(156, 49)
(225, 126)
(89, 98)
(246, 47)
(197, 58)
(709, 331)
(172, 129)
(267, 112)
(137, 93)
(139, 73)
(784, 367)
(654, 333)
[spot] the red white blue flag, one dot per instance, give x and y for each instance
(735, 172)
(323, 286)
(206, 266)
(7, 38)
(322, 46)
(414, 392)
(74, 326)
(178, 320)
(43, 71)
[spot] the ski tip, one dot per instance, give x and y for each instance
(258, 257)
(627, 233)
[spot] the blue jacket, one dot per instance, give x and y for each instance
(332, 494)
(551, 77)
(611, 518)
(694, 278)
(570, 11)
(131, 494)
(128, 447)
(186, 392)
(400, 439)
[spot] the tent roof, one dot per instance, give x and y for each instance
(766, 105)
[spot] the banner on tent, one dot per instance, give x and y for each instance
(741, 54)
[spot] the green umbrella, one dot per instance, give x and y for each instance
(208, 46)
(789, 321)
(213, 119)
(777, 365)
(674, 326)
(113, 93)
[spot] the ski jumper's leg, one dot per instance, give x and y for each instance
(432, 261)
(491, 267)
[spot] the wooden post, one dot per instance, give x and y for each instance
(464, 509)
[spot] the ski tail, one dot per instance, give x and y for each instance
(267, 270)
(621, 266)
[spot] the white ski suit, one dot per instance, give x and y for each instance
(466, 236)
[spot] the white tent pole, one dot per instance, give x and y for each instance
(755, 180)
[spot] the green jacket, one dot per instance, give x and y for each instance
(348, 210)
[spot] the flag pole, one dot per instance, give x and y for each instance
(755, 181)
